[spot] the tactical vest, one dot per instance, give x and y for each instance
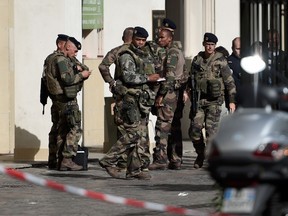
(158, 54)
(207, 74)
(144, 61)
(49, 72)
(70, 91)
(144, 65)
(122, 49)
(181, 73)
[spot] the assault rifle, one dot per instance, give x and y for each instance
(193, 96)
(43, 94)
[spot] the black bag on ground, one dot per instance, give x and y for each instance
(82, 157)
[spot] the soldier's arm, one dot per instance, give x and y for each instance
(228, 81)
(104, 66)
(169, 71)
(129, 73)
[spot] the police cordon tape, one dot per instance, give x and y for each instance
(97, 195)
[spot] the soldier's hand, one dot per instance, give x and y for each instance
(86, 73)
(185, 96)
(158, 101)
(232, 107)
(79, 68)
(153, 77)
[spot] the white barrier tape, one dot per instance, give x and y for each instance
(98, 196)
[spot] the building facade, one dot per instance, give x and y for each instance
(28, 32)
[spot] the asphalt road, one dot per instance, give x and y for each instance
(186, 188)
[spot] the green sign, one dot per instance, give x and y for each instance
(92, 14)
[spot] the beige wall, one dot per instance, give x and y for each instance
(7, 76)
(93, 106)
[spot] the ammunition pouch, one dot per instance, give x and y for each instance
(211, 88)
(146, 100)
(73, 115)
(71, 91)
(117, 113)
(202, 86)
(119, 88)
(214, 88)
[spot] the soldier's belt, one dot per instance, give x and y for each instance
(61, 98)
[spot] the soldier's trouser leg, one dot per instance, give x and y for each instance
(145, 143)
(195, 133)
(213, 113)
(175, 145)
(121, 130)
(164, 120)
(122, 161)
(200, 150)
(69, 129)
(53, 149)
(121, 147)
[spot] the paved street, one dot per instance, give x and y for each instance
(185, 188)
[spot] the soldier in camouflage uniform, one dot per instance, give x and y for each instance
(48, 77)
(53, 87)
(176, 77)
(136, 73)
(115, 87)
(210, 76)
(64, 81)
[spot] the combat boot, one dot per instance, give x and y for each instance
(174, 165)
(144, 175)
(68, 164)
(159, 158)
(199, 160)
(52, 161)
(113, 172)
(157, 166)
(200, 150)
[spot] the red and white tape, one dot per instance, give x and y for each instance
(97, 195)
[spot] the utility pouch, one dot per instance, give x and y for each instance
(117, 113)
(147, 97)
(77, 115)
(146, 100)
(119, 89)
(202, 86)
(130, 110)
(73, 117)
(71, 91)
(214, 88)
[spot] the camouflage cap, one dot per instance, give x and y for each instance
(140, 32)
(168, 24)
(209, 37)
(75, 42)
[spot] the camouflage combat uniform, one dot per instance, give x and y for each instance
(211, 77)
(158, 54)
(176, 76)
(137, 100)
(54, 88)
(49, 72)
(112, 58)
